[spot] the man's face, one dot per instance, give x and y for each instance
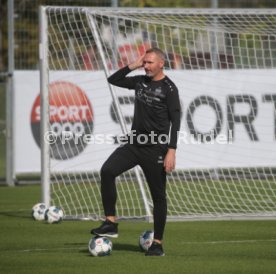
(153, 64)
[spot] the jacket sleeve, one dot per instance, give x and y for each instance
(119, 79)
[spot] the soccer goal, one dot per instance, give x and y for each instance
(224, 65)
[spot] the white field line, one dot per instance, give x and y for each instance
(50, 249)
(184, 243)
(231, 242)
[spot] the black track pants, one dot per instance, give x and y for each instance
(150, 158)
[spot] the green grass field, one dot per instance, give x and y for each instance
(29, 246)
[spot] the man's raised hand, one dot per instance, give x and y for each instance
(138, 63)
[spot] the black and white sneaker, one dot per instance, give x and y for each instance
(155, 249)
(106, 229)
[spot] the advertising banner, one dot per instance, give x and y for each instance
(228, 119)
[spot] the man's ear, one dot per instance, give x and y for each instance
(161, 64)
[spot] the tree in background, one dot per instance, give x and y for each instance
(199, 3)
(26, 21)
(3, 36)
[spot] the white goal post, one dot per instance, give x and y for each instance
(224, 65)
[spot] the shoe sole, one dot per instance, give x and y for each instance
(106, 235)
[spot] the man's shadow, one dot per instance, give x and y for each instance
(126, 247)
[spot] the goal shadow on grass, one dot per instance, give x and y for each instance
(16, 214)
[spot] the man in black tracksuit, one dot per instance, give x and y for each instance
(151, 143)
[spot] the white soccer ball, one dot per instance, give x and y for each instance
(38, 211)
(100, 246)
(146, 239)
(54, 215)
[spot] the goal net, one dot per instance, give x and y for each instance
(223, 63)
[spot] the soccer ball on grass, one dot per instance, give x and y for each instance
(100, 246)
(54, 215)
(38, 211)
(146, 239)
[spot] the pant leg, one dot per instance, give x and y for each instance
(155, 174)
(120, 160)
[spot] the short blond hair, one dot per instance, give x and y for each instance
(158, 52)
